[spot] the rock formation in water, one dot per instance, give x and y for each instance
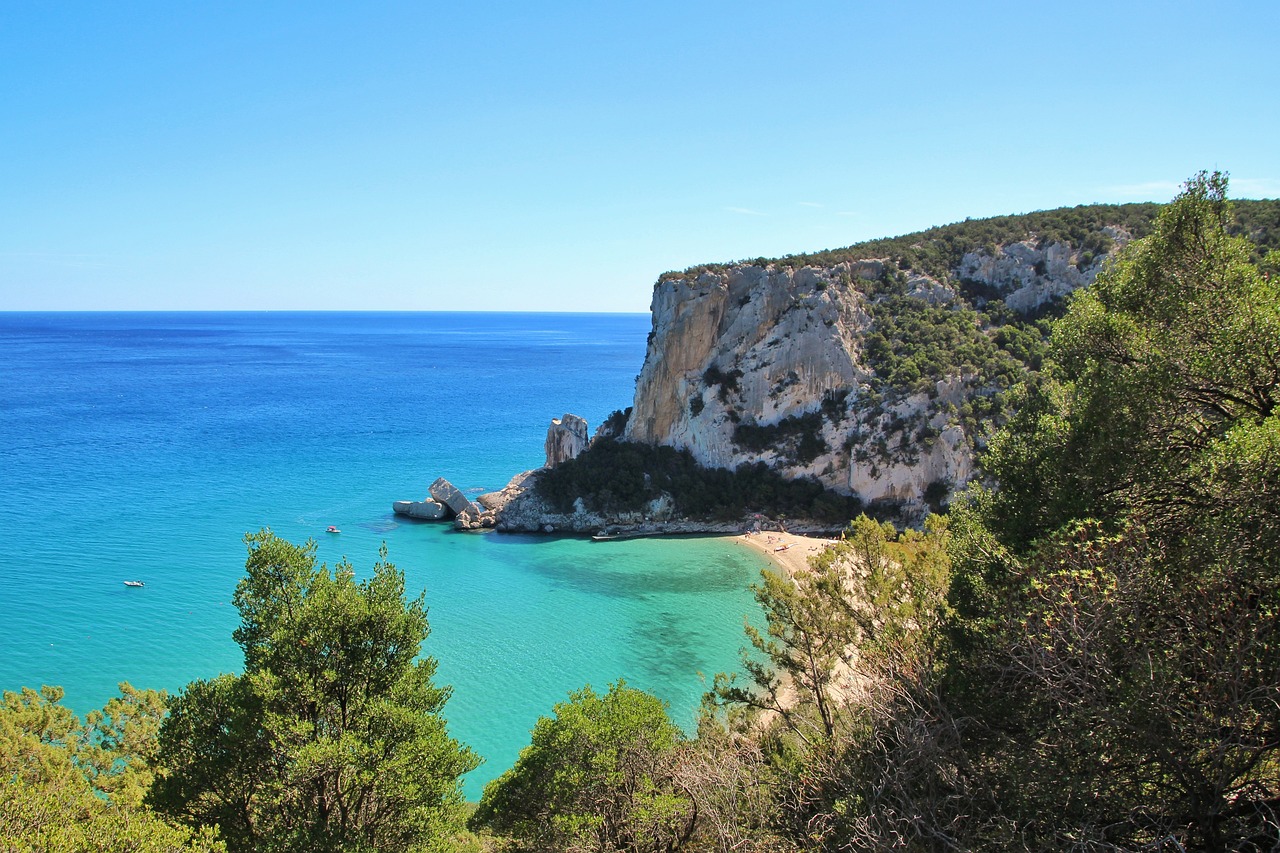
(451, 496)
(518, 506)
(427, 510)
(447, 501)
(566, 438)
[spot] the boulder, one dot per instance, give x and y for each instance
(868, 270)
(498, 500)
(448, 494)
(428, 510)
(473, 518)
(566, 438)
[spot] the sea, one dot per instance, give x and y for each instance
(144, 446)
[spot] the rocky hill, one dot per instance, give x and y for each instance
(797, 367)
(874, 371)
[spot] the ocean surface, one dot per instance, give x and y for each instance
(145, 445)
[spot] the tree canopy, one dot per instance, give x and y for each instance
(1166, 371)
(1117, 594)
(333, 737)
(1084, 656)
(1096, 665)
(68, 785)
(597, 775)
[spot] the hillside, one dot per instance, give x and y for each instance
(873, 372)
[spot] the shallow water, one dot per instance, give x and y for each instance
(143, 446)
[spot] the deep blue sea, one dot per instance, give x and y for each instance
(145, 445)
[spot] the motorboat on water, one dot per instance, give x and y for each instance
(332, 529)
(134, 583)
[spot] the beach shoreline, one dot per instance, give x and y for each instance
(788, 552)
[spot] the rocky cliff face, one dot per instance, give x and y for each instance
(1028, 276)
(783, 364)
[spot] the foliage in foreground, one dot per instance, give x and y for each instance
(1084, 658)
(1105, 672)
(598, 775)
(332, 738)
(1118, 595)
(67, 785)
(861, 602)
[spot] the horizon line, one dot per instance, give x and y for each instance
(298, 311)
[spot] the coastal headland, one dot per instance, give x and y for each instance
(787, 550)
(793, 394)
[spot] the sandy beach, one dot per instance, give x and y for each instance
(788, 551)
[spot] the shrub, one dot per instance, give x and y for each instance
(797, 438)
(621, 476)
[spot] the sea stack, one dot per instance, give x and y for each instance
(566, 438)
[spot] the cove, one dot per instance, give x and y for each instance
(144, 445)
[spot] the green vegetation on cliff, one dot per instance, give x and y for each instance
(1100, 668)
(914, 342)
(614, 476)
(1087, 656)
(937, 251)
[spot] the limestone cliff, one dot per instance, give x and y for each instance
(874, 372)
(797, 365)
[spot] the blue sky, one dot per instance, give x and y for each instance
(559, 156)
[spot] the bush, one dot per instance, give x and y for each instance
(797, 438)
(616, 424)
(621, 476)
(599, 774)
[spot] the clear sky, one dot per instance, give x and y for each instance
(560, 155)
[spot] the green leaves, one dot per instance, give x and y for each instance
(612, 476)
(1175, 345)
(1097, 664)
(68, 786)
(597, 775)
(332, 738)
(862, 608)
(1116, 595)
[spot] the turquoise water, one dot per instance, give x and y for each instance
(145, 445)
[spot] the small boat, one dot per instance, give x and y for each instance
(134, 583)
(614, 537)
(332, 529)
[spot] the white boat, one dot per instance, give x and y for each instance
(134, 583)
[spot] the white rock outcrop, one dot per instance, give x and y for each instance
(427, 510)
(778, 352)
(751, 363)
(473, 518)
(761, 343)
(1027, 274)
(451, 496)
(566, 438)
